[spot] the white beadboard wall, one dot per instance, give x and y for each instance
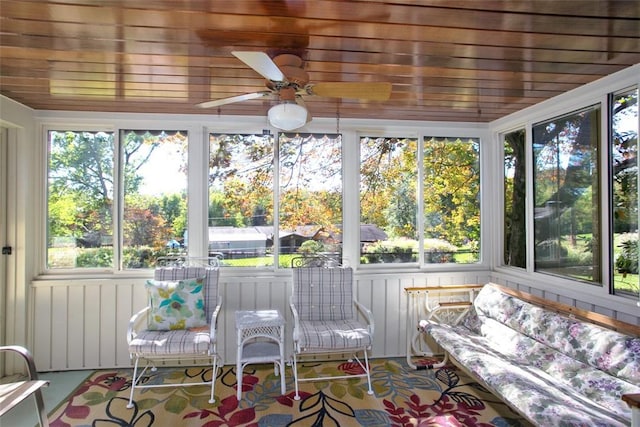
(82, 324)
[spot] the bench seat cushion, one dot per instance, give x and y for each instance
(549, 399)
(593, 383)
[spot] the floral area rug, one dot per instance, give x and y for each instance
(403, 397)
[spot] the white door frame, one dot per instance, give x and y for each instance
(4, 274)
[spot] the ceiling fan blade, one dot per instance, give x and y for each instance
(232, 99)
(355, 90)
(261, 62)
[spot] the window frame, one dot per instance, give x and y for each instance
(198, 152)
(421, 135)
(581, 98)
(608, 208)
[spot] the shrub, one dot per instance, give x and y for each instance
(406, 250)
(439, 251)
(627, 259)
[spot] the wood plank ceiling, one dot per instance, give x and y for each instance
(448, 60)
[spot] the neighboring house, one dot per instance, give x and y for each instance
(254, 241)
(235, 242)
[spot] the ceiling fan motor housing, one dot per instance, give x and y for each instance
(291, 67)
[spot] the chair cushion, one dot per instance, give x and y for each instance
(333, 334)
(323, 294)
(176, 305)
(178, 342)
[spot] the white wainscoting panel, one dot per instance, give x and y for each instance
(82, 324)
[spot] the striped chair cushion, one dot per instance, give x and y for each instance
(332, 335)
(210, 289)
(324, 294)
(171, 342)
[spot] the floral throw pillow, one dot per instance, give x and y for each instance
(176, 305)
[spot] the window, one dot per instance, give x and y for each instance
(310, 196)
(390, 201)
(451, 200)
(80, 199)
(242, 219)
(155, 195)
(83, 207)
(624, 188)
(241, 199)
(515, 187)
(566, 196)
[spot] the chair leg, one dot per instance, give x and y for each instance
(367, 369)
(133, 383)
(42, 413)
(214, 375)
(295, 376)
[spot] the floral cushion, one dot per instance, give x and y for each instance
(556, 370)
(176, 305)
(610, 351)
(539, 396)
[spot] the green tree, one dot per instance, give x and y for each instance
(515, 253)
(452, 190)
(388, 180)
(81, 178)
(240, 180)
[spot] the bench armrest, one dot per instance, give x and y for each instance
(633, 400)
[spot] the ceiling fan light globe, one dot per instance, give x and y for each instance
(287, 116)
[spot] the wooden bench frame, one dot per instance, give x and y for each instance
(11, 394)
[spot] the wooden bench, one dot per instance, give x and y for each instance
(11, 394)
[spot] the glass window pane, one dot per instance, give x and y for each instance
(515, 187)
(388, 205)
(566, 196)
(80, 199)
(624, 170)
(241, 199)
(155, 195)
(310, 216)
(451, 196)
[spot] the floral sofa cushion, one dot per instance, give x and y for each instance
(553, 369)
(613, 352)
(538, 396)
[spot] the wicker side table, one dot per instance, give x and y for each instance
(260, 340)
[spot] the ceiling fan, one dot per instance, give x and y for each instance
(287, 79)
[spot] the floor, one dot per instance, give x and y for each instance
(61, 384)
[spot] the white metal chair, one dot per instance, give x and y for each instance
(188, 344)
(12, 393)
(325, 315)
